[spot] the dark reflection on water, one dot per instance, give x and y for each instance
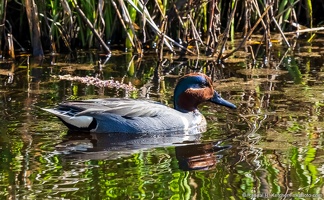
(272, 145)
(190, 152)
(116, 145)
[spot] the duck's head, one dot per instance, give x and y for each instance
(195, 88)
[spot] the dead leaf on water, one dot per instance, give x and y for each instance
(234, 60)
(70, 67)
(241, 54)
(41, 91)
(6, 72)
(261, 72)
(309, 47)
(320, 74)
(309, 54)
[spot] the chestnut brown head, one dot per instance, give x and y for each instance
(196, 88)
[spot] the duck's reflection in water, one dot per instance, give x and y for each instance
(191, 153)
(199, 156)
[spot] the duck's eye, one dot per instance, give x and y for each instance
(203, 85)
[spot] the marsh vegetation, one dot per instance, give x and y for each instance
(213, 28)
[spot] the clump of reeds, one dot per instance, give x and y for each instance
(194, 27)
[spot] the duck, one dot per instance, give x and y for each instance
(136, 116)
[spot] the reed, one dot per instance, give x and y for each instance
(3, 7)
(131, 17)
(109, 20)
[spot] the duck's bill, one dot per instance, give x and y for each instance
(217, 99)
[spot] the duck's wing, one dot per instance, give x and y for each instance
(123, 107)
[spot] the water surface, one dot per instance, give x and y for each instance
(271, 145)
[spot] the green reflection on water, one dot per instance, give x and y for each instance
(275, 138)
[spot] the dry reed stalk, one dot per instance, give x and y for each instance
(213, 27)
(101, 4)
(226, 31)
(3, 12)
(195, 34)
(69, 14)
(34, 27)
(11, 49)
(266, 25)
(163, 29)
(127, 18)
(281, 32)
(305, 30)
(122, 22)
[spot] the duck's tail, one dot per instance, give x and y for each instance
(71, 121)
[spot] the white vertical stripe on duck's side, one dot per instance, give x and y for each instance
(185, 123)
